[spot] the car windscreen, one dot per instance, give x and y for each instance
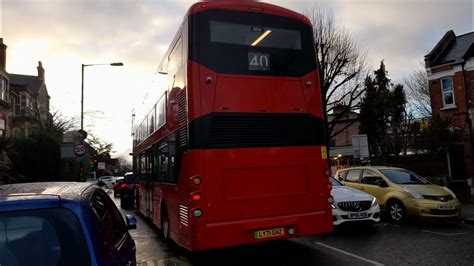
(335, 182)
(248, 43)
(402, 176)
(42, 237)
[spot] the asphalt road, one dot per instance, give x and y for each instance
(412, 243)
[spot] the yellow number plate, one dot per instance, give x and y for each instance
(269, 233)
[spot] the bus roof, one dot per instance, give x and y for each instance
(251, 6)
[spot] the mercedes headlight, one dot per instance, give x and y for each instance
(374, 202)
(413, 193)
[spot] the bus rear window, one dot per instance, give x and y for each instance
(248, 43)
(248, 35)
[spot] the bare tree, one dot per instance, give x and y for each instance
(418, 92)
(103, 148)
(342, 67)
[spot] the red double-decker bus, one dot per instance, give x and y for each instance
(233, 151)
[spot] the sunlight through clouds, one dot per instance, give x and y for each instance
(65, 34)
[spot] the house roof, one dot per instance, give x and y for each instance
(451, 49)
(32, 82)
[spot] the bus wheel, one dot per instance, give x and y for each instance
(165, 227)
(137, 201)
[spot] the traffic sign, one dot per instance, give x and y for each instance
(101, 166)
(79, 149)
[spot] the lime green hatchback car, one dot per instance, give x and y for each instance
(401, 192)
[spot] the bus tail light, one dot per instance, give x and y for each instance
(196, 196)
(327, 172)
(197, 213)
(329, 185)
(196, 180)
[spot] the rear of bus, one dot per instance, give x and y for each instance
(255, 125)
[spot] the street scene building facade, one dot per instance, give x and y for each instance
(450, 68)
(24, 99)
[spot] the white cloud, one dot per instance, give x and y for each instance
(64, 34)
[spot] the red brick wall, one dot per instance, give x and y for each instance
(441, 68)
(459, 114)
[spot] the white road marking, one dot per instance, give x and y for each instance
(443, 234)
(349, 254)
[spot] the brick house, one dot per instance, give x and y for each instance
(24, 99)
(29, 101)
(340, 146)
(450, 68)
(4, 92)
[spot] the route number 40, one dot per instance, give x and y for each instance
(259, 61)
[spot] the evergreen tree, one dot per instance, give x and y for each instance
(382, 112)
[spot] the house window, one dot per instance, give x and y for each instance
(447, 89)
(17, 106)
(3, 89)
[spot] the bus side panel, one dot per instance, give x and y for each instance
(156, 192)
(142, 198)
(177, 199)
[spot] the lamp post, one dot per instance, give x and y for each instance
(82, 86)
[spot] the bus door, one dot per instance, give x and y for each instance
(149, 184)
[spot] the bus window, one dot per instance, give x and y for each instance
(248, 43)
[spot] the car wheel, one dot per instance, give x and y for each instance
(396, 211)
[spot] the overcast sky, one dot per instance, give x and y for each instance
(64, 34)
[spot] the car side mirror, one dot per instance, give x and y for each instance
(131, 222)
(101, 183)
(381, 183)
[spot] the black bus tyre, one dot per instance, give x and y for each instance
(165, 227)
(137, 201)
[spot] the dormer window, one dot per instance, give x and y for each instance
(447, 91)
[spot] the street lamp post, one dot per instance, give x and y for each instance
(82, 86)
(81, 162)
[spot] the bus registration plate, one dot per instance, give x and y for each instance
(269, 233)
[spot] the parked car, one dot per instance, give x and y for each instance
(108, 181)
(353, 206)
(127, 192)
(118, 186)
(63, 223)
(402, 193)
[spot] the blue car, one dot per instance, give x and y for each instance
(62, 223)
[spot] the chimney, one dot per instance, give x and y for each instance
(40, 71)
(3, 56)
